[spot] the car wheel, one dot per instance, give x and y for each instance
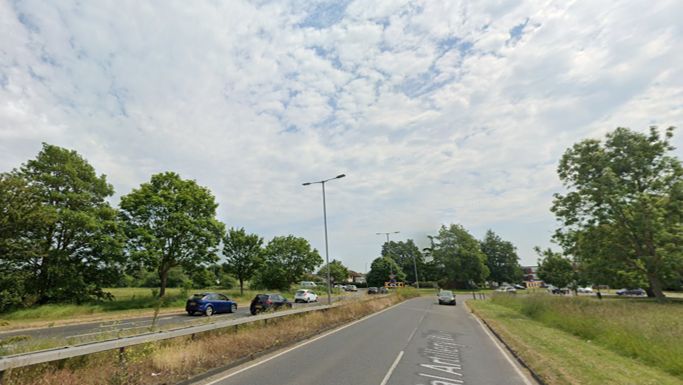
(208, 311)
(190, 313)
(289, 306)
(233, 308)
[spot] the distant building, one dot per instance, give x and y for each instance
(531, 276)
(355, 277)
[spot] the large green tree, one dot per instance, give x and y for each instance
(407, 255)
(338, 272)
(459, 255)
(171, 222)
(555, 269)
(625, 194)
(287, 260)
(243, 253)
(501, 258)
(68, 246)
(381, 269)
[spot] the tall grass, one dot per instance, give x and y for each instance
(648, 331)
(180, 358)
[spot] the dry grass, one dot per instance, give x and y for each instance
(174, 360)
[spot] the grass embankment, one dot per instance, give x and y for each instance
(181, 358)
(570, 340)
(128, 302)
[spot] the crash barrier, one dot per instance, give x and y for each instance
(393, 285)
(56, 354)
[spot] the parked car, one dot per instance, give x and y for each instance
(632, 292)
(520, 287)
(266, 302)
(585, 290)
(446, 297)
(305, 295)
(383, 290)
(506, 289)
(373, 290)
(209, 304)
(307, 284)
(350, 288)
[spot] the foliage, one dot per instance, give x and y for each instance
(380, 270)
(286, 260)
(407, 255)
(60, 238)
(243, 254)
(501, 259)
(555, 269)
(171, 222)
(459, 257)
(625, 202)
(338, 272)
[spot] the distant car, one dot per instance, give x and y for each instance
(209, 304)
(585, 290)
(351, 288)
(632, 292)
(383, 290)
(506, 289)
(446, 297)
(373, 290)
(307, 284)
(305, 295)
(520, 287)
(266, 302)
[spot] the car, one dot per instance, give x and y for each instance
(506, 289)
(585, 290)
(305, 295)
(373, 290)
(351, 288)
(307, 284)
(446, 297)
(383, 290)
(268, 302)
(520, 287)
(210, 304)
(632, 292)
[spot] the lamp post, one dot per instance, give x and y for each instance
(417, 281)
(327, 252)
(391, 267)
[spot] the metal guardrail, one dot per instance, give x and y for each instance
(55, 354)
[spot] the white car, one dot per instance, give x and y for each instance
(585, 290)
(506, 289)
(304, 295)
(307, 284)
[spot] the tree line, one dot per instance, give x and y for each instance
(62, 241)
(455, 259)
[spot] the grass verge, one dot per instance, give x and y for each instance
(181, 358)
(563, 355)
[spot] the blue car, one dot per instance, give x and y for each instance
(209, 304)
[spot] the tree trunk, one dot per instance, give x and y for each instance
(163, 277)
(241, 286)
(655, 289)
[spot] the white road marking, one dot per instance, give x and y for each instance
(299, 345)
(505, 353)
(391, 369)
(450, 380)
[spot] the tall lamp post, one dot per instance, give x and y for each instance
(327, 251)
(391, 267)
(417, 281)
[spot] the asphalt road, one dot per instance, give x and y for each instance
(84, 332)
(416, 342)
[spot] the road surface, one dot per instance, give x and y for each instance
(416, 342)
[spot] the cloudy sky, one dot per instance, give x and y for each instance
(438, 112)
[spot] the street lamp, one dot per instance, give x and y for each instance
(417, 281)
(327, 252)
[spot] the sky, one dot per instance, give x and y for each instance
(438, 112)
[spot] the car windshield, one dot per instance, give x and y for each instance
(301, 292)
(198, 296)
(446, 293)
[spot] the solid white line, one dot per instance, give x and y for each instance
(300, 345)
(502, 350)
(391, 369)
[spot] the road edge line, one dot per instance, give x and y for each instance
(207, 376)
(506, 350)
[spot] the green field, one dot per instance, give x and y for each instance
(579, 340)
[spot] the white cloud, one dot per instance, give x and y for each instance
(435, 111)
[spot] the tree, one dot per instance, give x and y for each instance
(69, 245)
(338, 272)
(286, 261)
(407, 255)
(171, 222)
(381, 268)
(501, 259)
(460, 257)
(627, 195)
(555, 269)
(243, 254)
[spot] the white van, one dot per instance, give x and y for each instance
(307, 284)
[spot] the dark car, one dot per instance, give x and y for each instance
(373, 290)
(209, 304)
(446, 297)
(265, 302)
(635, 292)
